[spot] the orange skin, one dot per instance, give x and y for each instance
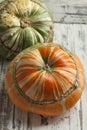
(45, 109)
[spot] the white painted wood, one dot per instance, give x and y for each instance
(68, 2)
(68, 11)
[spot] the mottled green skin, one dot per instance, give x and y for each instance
(23, 23)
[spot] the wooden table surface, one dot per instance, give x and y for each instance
(70, 30)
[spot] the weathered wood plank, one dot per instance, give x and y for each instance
(68, 11)
(4, 101)
(69, 2)
(75, 36)
(82, 52)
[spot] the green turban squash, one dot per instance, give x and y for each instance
(23, 23)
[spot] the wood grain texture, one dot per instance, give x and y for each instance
(74, 37)
(68, 11)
